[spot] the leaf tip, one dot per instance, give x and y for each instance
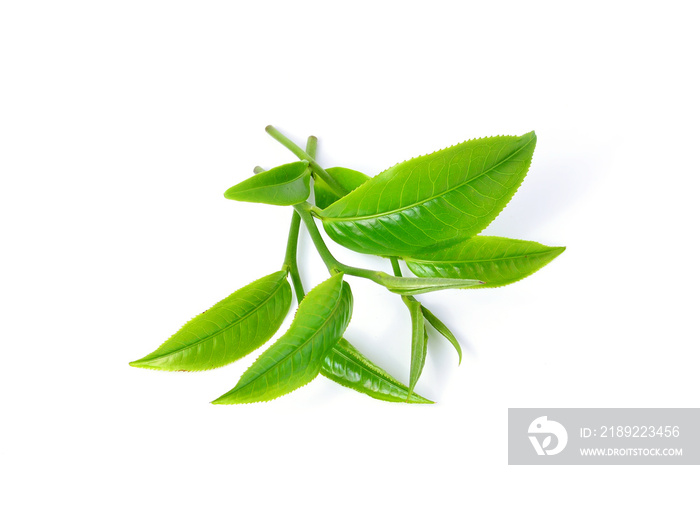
(226, 399)
(556, 251)
(229, 194)
(141, 364)
(147, 363)
(219, 401)
(415, 399)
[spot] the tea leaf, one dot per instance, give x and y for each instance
(410, 286)
(442, 329)
(419, 341)
(284, 185)
(296, 357)
(229, 330)
(496, 261)
(345, 365)
(348, 179)
(432, 200)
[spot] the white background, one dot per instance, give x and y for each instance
(122, 123)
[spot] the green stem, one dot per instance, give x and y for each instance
(333, 265)
(407, 299)
(302, 155)
(311, 145)
(395, 266)
(290, 257)
(302, 210)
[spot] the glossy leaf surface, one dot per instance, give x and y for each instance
(296, 357)
(442, 329)
(348, 179)
(494, 260)
(419, 341)
(345, 365)
(231, 329)
(287, 184)
(436, 199)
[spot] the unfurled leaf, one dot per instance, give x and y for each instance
(287, 184)
(419, 341)
(442, 329)
(296, 357)
(344, 364)
(432, 200)
(410, 286)
(232, 328)
(348, 179)
(496, 261)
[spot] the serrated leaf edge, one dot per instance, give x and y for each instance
(488, 285)
(325, 322)
(380, 373)
(321, 214)
(146, 359)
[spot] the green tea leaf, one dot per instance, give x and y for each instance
(284, 185)
(348, 179)
(442, 329)
(437, 199)
(419, 341)
(345, 365)
(409, 286)
(296, 357)
(231, 329)
(496, 261)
